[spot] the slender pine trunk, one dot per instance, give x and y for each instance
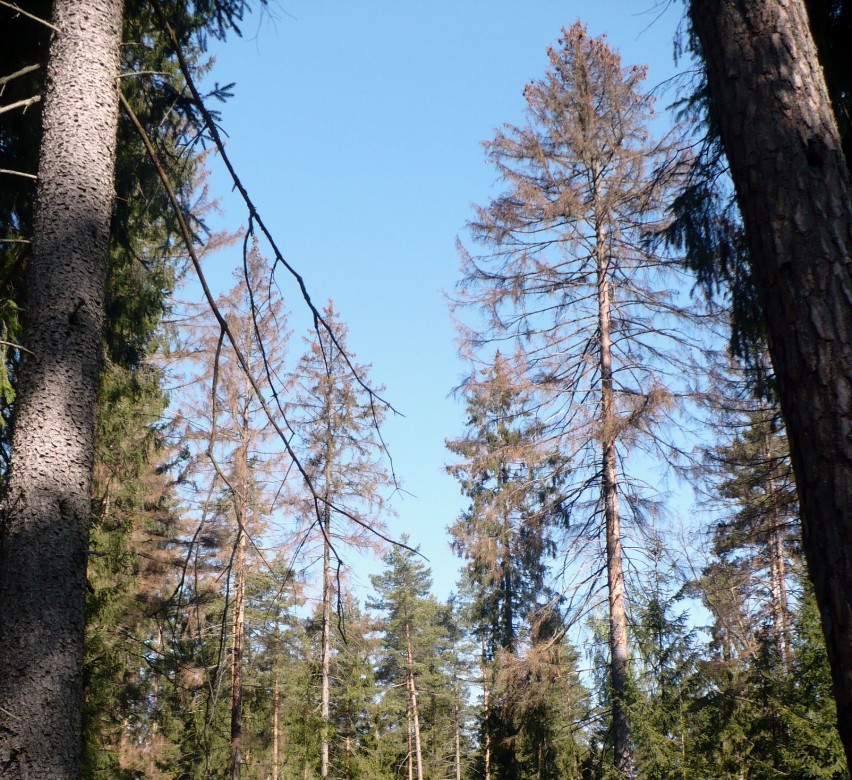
(778, 568)
(412, 695)
(410, 745)
(276, 703)
(237, 650)
(457, 724)
(46, 512)
(486, 713)
(619, 672)
(325, 710)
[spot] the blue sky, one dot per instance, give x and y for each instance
(357, 128)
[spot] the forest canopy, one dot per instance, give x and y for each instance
(632, 560)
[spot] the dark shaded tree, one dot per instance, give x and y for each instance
(781, 139)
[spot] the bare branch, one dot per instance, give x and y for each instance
(186, 234)
(25, 104)
(35, 18)
(211, 127)
(18, 73)
(9, 172)
(15, 346)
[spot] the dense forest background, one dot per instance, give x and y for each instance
(618, 361)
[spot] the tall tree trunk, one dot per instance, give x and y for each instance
(47, 507)
(795, 194)
(778, 567)
(778, 575)
(348, 773)
(241, 506)
(486, 712)
(237, 646)
(457, 724)
(326, 643)
(412, 694)
(619, 673)
(410, 745)
(511, 766)
(276, 703)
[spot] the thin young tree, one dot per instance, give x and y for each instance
(568, 275)
(337, 423)
(411, 636)
(504, 536)
(233, 440)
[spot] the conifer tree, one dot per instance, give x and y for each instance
(337, 427)
(566, 273)
(77, 275)
(46, 508)
(757, 537)
(766, 89)
(504, 536)
(232, 439)
(411, 638)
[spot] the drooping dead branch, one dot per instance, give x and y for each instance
(254, 214)
(186, 234)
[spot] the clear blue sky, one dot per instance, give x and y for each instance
(357, 127)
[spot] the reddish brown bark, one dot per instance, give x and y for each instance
(795, 194)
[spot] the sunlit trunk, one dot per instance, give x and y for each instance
(326, 645)
(46, 512)
(275, 706)
(412, 694)
(237, 649)
(619, 672)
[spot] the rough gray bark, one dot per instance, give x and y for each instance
(46, 511)
(795, 194)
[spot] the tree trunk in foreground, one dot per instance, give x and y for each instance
(795, 195)
(46, 511)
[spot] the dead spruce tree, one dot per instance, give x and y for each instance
(567, 276)
(236, 461)
(338, 436)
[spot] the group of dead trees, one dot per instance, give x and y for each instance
(584, 186)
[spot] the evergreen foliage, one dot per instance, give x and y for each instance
(203, 656)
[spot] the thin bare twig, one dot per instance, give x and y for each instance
(211, 127)
(35, 18)
(15, 346)
(25, 104)
(9, 172)
(186, 234)
(18, 73)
